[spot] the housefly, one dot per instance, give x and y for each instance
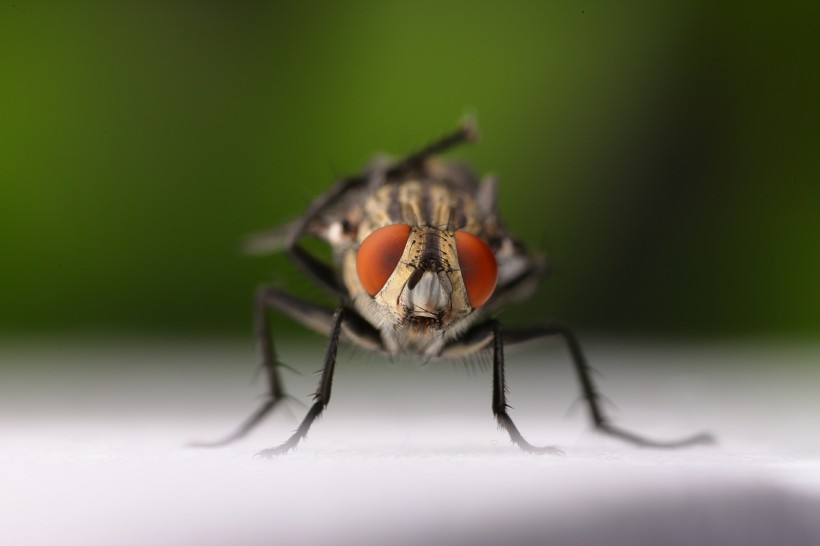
(421, 263)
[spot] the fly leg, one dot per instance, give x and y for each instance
(590, 394)
(322, 395)
(466, 132)
(265, 298)
(320, 319)
(315, 317)
(479, 338)
(500, 398)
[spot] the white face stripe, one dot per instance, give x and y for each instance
(430, 297)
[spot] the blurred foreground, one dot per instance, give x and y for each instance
(94, 445)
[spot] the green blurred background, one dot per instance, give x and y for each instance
(665, 155)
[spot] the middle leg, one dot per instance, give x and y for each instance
(590, 393)
(266, 296)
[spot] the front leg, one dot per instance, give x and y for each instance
(322, 395)
(500, 398)
(315, 317)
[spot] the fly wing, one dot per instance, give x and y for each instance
(267, 241)
(340, 205)
(519, 269)
(327, 211)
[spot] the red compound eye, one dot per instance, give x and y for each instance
(478, 267)
(379, 254)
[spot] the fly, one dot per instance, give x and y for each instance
(421, 263)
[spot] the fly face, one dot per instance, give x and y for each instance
(418, 279)
(420, 263)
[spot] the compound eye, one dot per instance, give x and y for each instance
(478, 267)
(379, 254)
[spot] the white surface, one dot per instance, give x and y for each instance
(93, 451)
